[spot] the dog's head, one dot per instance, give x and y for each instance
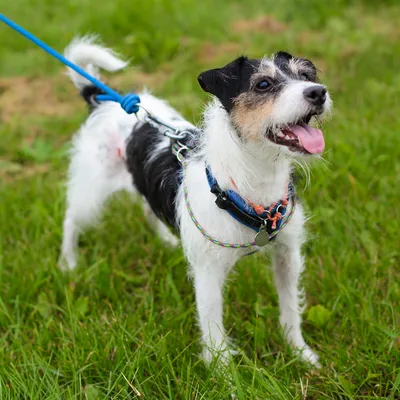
(272, 100)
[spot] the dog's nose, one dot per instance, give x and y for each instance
(316, 95)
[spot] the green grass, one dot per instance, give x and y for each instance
(125, 321)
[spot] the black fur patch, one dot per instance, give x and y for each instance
(156, 174)
(89, 94)
(230, 81)
(282, 59)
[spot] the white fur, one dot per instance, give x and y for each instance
(291, 104)
(97, 171)
(90, 56)
(261, 174)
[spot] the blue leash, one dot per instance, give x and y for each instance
(128, 102)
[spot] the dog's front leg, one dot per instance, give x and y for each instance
(288, 265)
(209, 281)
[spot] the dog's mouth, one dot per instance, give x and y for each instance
(298, 137)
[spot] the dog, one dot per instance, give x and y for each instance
(238, 168)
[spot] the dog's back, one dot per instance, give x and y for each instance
(116, 151)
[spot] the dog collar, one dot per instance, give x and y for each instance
(267, 223)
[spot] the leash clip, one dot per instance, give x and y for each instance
(164, 128)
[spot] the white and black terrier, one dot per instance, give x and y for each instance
(232, 195)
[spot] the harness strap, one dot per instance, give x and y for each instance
(240, 209)
(216, 241)
(225, 203)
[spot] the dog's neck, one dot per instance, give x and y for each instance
(259, 174)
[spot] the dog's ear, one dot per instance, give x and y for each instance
(228, 82)
(282, 60)
(282, 55)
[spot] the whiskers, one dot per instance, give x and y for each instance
(327, 164)
(319, 121)
(306, 172)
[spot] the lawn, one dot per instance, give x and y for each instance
(123, 325)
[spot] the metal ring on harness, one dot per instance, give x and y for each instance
(179, 156)
(136, 115)
(175, 135)
(183, 134)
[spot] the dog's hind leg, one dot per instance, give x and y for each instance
(97, 170)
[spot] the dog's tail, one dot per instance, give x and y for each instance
(88, 55)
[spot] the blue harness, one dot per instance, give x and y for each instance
(242, 211)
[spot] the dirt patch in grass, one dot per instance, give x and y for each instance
(24, 96)
(210, 52)
(134, 79)
(381, 23)
(11, 171)
(56, 96)
(264, 23)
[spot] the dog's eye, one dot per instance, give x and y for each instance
(304, 76)
(262, 85)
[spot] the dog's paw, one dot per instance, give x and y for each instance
(67, 262)
(219, 360)
(309, 357)
(221, 356)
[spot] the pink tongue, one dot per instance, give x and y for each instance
(311, 138)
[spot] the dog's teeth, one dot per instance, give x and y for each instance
(280, 134)
(287, 137)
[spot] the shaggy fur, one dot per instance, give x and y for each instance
(253, 130)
